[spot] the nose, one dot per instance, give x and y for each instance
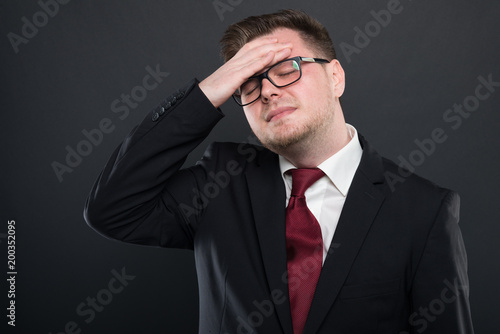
(268, 91)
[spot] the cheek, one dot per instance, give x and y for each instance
(319, 87)
(251, 115)
(320, 98)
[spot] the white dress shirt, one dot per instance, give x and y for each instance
(326, 197)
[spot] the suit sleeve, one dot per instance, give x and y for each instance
(440, 292)
(138, 197)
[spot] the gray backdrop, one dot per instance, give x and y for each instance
(417, 88)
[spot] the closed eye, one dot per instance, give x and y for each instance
(285, 74)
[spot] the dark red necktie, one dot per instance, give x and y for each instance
(304, 246)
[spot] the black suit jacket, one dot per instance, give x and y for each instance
(397, 262)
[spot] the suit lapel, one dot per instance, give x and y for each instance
(267, 194)
(360, 209)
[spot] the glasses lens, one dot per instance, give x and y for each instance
(248, 92)
(285, 73)
(281, 74)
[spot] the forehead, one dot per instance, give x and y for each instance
(285, 35)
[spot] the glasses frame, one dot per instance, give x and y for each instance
(265, 75)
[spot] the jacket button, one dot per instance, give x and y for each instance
(180, 95)
(168, 105)
(155, 117)
(174, 99)
(162, 111)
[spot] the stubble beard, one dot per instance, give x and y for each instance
(289, 136)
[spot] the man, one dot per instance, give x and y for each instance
(346, 253)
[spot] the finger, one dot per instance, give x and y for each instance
(259, 64)
(258, 58)
(280, 55)
(259, 51)
(258, 42)
(219, 86)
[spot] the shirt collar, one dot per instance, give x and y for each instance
(340, 167)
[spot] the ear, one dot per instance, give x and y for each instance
(338, 75)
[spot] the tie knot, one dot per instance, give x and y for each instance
(303, 178)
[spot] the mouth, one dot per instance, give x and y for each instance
(278, 113)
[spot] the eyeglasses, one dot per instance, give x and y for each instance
(281, 74)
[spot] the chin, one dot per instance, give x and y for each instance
(284, 141)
